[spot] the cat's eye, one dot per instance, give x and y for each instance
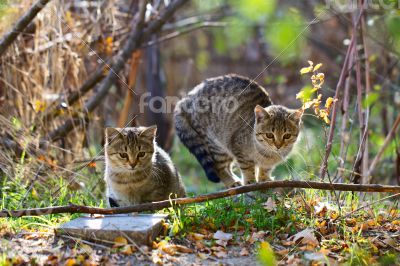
(141, 154)
(270, 135)
(287, 136)
(123, 155)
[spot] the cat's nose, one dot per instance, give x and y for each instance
(278, 145)
(132, 164)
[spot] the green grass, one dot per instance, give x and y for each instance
(22, 193)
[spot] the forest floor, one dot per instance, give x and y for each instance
(300, 229)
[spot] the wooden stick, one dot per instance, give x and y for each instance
(202, 198)
(21, 24)
(123, 118)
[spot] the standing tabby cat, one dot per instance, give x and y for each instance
(137, 170)
(222, 121)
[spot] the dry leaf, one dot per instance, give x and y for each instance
(221, 254)
(221, 243)
(203, 256)
(120, 241)
(219, 235)
(169, 249)
(244, 252)
(128, 250)
(70, 262)
(270, 205)
(305, 237)
(197, 236)
(183, 249)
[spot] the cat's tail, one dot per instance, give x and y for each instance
(194, 141)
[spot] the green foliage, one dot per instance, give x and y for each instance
(254, 10)
(287, 35)
(358, 256)
(237, 32)
(235, 214)
(19, 193)
(285, 30)
(370, 99)
(389, 259)
(393, 25)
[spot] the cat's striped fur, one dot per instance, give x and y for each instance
(219, 136)
(137, 169)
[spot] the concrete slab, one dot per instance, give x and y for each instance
(141, 228)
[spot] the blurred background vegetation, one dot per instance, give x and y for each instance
(266, 40)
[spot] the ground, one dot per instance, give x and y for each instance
(298, 229)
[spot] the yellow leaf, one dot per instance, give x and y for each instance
(266, 255)
(39, 106)
(34, 194)
(120, 241)
(329, 102)
(127, 250)
(305, 70)
(320, 76)
(69, 19)
(307, 105)
(311, 63)
(109, 40)
(70, 262)
(300, 95)
(318, 66)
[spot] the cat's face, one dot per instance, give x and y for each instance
(130, 149)
(277, 127)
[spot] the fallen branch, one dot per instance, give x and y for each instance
(202, 198)
(21, 24)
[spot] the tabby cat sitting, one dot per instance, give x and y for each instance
(231, 119)
(137, 169)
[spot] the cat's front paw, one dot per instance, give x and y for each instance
(249, 182)
(237, 184)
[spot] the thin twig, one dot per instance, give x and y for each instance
(202, 198)
(86, 242)
(388, 139)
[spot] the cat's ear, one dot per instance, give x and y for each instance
(111, 134)
(296, 115)
(260, 113)
(149, 132)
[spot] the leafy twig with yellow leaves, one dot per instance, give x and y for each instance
(311, 97)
